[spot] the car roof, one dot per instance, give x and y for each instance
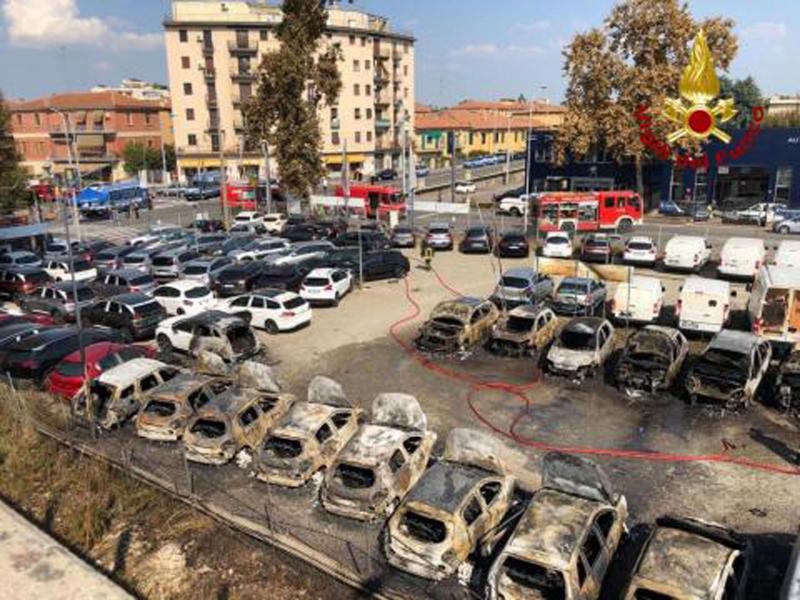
(174, 251)
(527, 311)
(182, 284)
(123, 374)
(737, 341)
(183, 384)
(279, 295)
(20, 253)
(211, 317)
(20, 270)
(782, 276)
(584, 325)
(66, 286)
(373, 444)
(128, 273)
(709, 286)
(304, 418)
(445, 485)
(132, 299)
(551, 530)
(95, 351)
(322, 272)
(523, 272)
(439, 225)
(578, 280)
(641, 238)
(45, 336)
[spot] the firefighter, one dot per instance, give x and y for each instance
(427, 253)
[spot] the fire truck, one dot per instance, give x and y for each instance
(379, 200)
(614, 210)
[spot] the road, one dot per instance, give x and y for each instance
(443, 176)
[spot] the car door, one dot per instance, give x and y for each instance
(249, 420)
(606, 341)
(263, 310)
(167, 297)
(182, 334)
(594, 556)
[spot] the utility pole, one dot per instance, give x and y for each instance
(508, 149)
(454, 140)
(223, 178)
(68, 138)
(404, 161)
(78, 320)
(412, 179)
(265, 150)
(346, 181)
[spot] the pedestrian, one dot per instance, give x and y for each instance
(325, 186)
(136, 211)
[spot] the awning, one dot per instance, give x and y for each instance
(90, 141)
(336, 159)
(23, 231)
(198, 163)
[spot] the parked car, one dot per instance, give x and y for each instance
(271, 310)
(581, 348)
(787, 255)
(184, 297)
(57, 248)
(687, 558)
(458, 325)
(557, 244)
(274, 223)
(207, 225)
(234, 242)
(223, 334)
(123, 281)
(787, 225)
(379, 264)
(70, 374)
(141, 259)
(170, 264)
(249, 216)
(686, 252)
(208, 244)
(421, 171)
(597, 247)
(513, 244)
(111, 258)
(381, 462)
(522, 285)
(730, 369)
(58, 300)
(579, 296)
(283, 277)
(156, 233)
(439, 236)
(134, 314)
(641, 250)
(760, 213)
(477, 239)
(404, 237)
(303, 232)
(566, 540)
(32, 358)
(259, 249)
(651, 360)
(237, 278)
(638, 300)
(742, 257)
(385, 175)
(300, 252)
(785, 388)
(205, 191)
(16, 282)
(368, 240)
(436, 527)
(465, 187)
(59, 270)
(116, 395)
(773, 308)
(205, 270)
(525, 331)
(248, 229)
(19, 258)
(515, 206)
(163, 415)
(326, 286)
(704, 305)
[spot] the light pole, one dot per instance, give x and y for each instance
(68, 138)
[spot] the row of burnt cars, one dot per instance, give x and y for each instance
(443, 515)
(733, 370)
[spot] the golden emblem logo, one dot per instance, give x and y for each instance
(699, 86)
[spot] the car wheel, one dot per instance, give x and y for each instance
(783, 230)
(515, 212)
(625, 225)
(399, 272)
(164, 343)
(271, 327)
(335, 301)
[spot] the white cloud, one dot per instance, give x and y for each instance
(495, 51)
(43, 23)
(101, 66)
(542, 25)
(525, 50)
(768, 31)
(475, 50)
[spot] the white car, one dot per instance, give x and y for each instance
(184, 297)
(59, 270)
(249, 216)
(466, 187)
(300, 252)
(274, 222)
(326, 286)
(640, 250)
(258, 249)
(557, 244)
(155, 234)
(271, 310)
(687, 252)
(516, 206)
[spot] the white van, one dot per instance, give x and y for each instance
(788, 254)
(639, 300)
(742, 257)
(703, 305)
(774, 305)
(687, 252)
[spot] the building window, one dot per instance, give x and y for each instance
(367, 90)
(264, 34)
(783, 184)
(471, 138)
(357, 136)
(369, 136)
(483, 138)
(148, 118)
(405, 70)
(183, 35)
(367, 65)
(129, 119)
(37, 119)
(19, 118)
(191, 139)
(187, 89)
(363, 40)
(334, 112)
(215, 142)
(356, 89)
(352, 40)
(369, 113)
(357, 113)
(185, 62)
(356, 65)
(405, 92)
(190, 114)
(335, 138)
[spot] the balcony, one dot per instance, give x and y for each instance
(383, 97)
(335, 125)
(382, 123)
(242, 75)
(212, 101)
(213, 125)
(242, 48)
(208, 49)
(381, 52)
(384, 143)
(209, 73)
(381, 77)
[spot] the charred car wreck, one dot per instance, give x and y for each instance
(581, 348)
(525, 331)
(651, 360)
(457, 325)
(730, 369)
(787, 384)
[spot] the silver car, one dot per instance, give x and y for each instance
(522, 285)
(170, 264)
(205, 270)
(791, 225)
(300, 252)
(440, 236)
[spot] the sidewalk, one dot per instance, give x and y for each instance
(34, 565)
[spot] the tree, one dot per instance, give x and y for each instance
(169, 157)
(292, 82)
(746, 95)
(13, 178)
(138, 157)
(635, 60)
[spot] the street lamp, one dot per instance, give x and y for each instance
(69, 140)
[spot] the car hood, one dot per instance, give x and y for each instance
(570, 359)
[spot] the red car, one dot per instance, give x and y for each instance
(66, 379)
(6, 318)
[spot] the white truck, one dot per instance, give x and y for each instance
(704, 305)
(774, 306)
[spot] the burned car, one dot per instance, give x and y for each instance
(525, 331)
(116, 395)
(456, 508)
(164, 414)
(456, 325)
(787, 384)
(381, 462)
(686, 558)
(308, 438)
(730, 369)
(564, 543)
(581, 348)
(651, 359)
(233, 424)
(229, 336)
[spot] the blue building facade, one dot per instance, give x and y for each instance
(768, 171)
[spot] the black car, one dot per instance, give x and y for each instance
(305, 232)
(513, 244)
(32, 358)
(329, 230)
(477, 239)
(207, 225)
(58, 300)
(11, 333)
(238, 279)
(382, 264)
(94, 247)
(201, 192)
(369, 240)
(341, 258)
(135, 315)
(234, 243)
(283, 277)
(385, 175)
(123, 281)
(210, 243)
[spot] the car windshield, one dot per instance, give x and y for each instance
(106, 256)
(134, 259)
(163, 261)
(27, 259)
(36, 277)
(195, 270)
(727, 359)
(281, 447)
(81, 265)
(143, 280)
(514, 282)
(84, 293)
(597, 243)
(69, 369)
(513, 238)
(294, 303)
(56, 248)
(439, 230)
(536, 577)
(160, 408)
(557, 240)
(640, 246)
(574, 340)
(209, 428)
(198, 292)
(355, 476)
(147, 309)
(573, 287)
(519, 324)
(316, 282)
(424, 529)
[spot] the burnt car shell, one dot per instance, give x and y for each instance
(651, 359)
(229, 336)
(450, 327)
(787, 383)
(381, 462)
(515, 334)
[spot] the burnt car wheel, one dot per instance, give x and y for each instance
(271, 327)
(164, 343)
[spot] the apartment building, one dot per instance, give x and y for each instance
(213, 51)
(100, 125)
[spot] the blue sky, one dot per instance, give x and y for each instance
(465, 48)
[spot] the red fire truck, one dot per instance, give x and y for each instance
(617, 210)
(240, 195)
(379, 200)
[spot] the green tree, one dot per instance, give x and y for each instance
(169, 157)
(138, 157)
(746, 95)
(292, 82)
(13, 178)
(635, 59)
